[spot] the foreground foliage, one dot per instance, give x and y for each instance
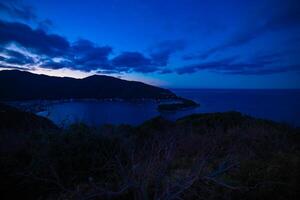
(207, 156)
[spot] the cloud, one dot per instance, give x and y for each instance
(160, 53)
(83, 54)
(286, 16)
(134, 61)
(263, 65)
(17, 10)
(53, 51)
(88, 56)
(288, 68)
(51, 64)
(158, 58)
(15, 58)
(37, 41)
(5, 66)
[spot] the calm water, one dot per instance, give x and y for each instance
(278, 105)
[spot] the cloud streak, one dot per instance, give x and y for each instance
(15, 58)
(263, 65)
(288, 16)
(17, 10)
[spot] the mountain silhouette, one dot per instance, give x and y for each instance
(21, 85)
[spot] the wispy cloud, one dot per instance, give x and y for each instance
(15, 58)
(287, 16)
(261, 65)
(16, 9)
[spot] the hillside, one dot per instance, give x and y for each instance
(20, 85)
(205, 156)
(13, 119)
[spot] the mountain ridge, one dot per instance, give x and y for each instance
(22, 85)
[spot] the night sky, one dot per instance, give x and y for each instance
(169, 43)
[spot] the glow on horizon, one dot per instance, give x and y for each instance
(65, 72)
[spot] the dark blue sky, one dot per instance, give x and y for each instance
(172, 43)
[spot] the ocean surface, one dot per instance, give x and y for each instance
(278, 105)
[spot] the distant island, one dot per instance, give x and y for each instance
(181, 104)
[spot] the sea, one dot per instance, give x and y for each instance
(277, 105)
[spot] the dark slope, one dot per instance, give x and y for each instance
(19, 85)
(12, 119)
(217, 156)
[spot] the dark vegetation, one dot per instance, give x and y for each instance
(183, 104)
(207, 156)
(14, 119)
(19, 85)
